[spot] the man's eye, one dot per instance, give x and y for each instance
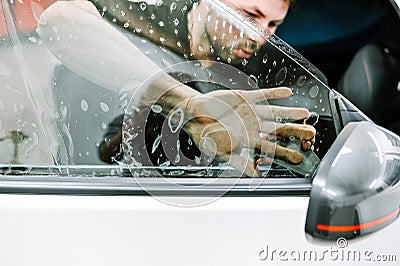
(250, 14)
(272, 24)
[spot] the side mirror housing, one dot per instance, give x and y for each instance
(356, 190)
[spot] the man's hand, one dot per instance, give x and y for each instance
(226, 122)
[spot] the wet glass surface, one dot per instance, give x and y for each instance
(62, 100)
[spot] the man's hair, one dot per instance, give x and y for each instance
(292, 2)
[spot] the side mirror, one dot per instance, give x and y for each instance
(396, 5)
(356, 190)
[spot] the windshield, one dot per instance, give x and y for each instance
(156, 88)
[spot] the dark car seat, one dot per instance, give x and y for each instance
(372, 83)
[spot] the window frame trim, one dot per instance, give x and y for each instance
(70, 180)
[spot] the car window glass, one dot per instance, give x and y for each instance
(53, 116)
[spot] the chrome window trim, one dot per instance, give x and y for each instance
(94, 180)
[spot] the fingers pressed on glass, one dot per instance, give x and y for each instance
(273, 113)
(288, 154)
(265, 94)
(307, 144)
(299, 131)
(279, 151)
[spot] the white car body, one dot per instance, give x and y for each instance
(140, 230)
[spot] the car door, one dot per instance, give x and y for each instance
(60, 205)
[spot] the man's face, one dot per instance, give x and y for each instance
(233, 42)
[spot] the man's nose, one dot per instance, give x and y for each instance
(268, 27)
(265, 31)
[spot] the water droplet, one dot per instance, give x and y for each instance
(32, 142)
(252, 81)
(244, 62)
(265, 58)
(32, 39)
(173, 6)
(104, 107)
(314, 91)
(208, 146)
(161, 23)
(175, 120)
(156, 108)
(165, 62)
(84, 105)
(153, 16)
(156, 143)
(126, 25)
(165, 164)
(191, 110)
(312, 119)
(201, 73)
(301, 80)
(281, 75)
(178, 156)
(103, 125)
(176, 21)
(278, 119)
(274, 64)
(143, 6)
(230, 29)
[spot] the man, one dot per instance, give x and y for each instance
(194, 28)
(90, 46)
